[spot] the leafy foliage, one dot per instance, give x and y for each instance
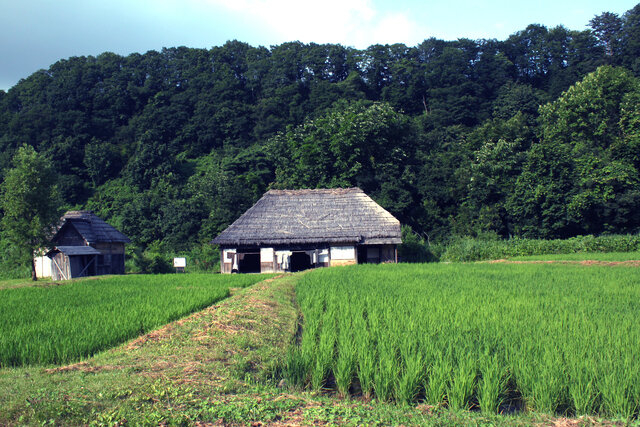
(29, 203)
(449, 136)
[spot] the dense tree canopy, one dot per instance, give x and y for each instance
(29, 203)
(537, 135)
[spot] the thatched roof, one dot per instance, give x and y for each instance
(91, 228)
(342, 215)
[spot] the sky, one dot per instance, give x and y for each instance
(36, 33)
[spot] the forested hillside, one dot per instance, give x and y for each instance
(534, 136)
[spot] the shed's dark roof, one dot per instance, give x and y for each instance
(74, 250)
(91, 228)
(341, 215)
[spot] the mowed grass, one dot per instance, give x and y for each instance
(21, 283)
(60, 323)
(552, 338)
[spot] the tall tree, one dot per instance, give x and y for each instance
(371, 146)
(30, 203)
(581, 177)
(607, 28)
(631, 39)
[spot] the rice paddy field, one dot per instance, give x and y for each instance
(552, 338)
(59, 323)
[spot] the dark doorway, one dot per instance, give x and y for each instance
(362, 254)
(300, 261)
(249, 263)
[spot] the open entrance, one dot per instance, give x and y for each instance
(249, 263)
(300, 261)
(86, 264)
(369, 255)
(362, 254)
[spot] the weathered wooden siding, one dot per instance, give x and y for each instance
(69, 236)
(60, 269)
(112, 259)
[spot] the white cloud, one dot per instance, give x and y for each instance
(399, 28)
(350, 22)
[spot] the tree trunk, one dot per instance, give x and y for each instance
(34, 276)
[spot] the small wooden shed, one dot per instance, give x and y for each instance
(73, 261)
(292, 230)
(85, 245)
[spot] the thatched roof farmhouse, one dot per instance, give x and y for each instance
(291, 230)
(85, 245)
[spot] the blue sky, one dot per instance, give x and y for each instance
(36, 33)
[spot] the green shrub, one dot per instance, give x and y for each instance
(157, 259)
(464, 249)
(13, 264)
(158, 264)
(152, 260)
(414, 248)
(203, 258)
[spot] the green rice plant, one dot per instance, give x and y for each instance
(617, 396)
(344, 367)
(385, 374)
(310, 337)
(493, 383)
(411, 361)
(522, 362)
(411, 379)
(295, 366)
(325, 353)
(462, 385)
(387, 367)
(437, 383)
(550, 382)
(583, 391)
(564, 337)
(618, 383)
(60, 324)
(366, 363)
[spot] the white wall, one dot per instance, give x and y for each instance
(266, 254)
(43, 266)
(343, 252)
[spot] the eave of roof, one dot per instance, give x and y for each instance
(74, 250)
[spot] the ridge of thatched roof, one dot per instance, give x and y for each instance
(92, 228)
(339, 215)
